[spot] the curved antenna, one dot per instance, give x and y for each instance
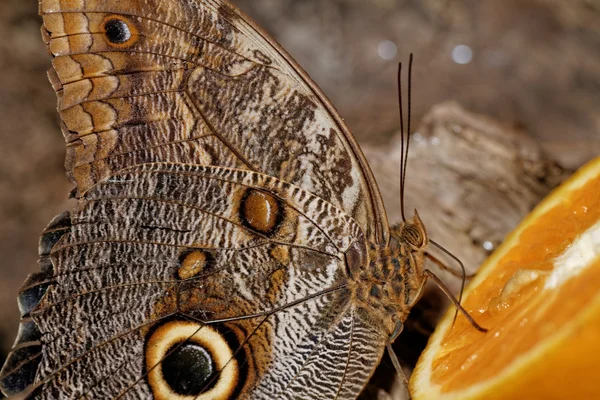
(404, 149)
(463, 274)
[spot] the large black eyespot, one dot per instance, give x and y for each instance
(188, 369)
(117, 31)
(186, 360)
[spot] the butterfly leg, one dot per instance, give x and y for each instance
(460, 308)
(401, 376)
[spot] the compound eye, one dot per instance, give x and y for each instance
(412, 234)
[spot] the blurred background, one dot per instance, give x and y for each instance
(528, 70)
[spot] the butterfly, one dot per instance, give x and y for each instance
(229, 239)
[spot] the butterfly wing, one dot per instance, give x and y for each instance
(149, 261)
(196, 82)
(229, 250)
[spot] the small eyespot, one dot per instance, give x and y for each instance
(261, 212)
(117, 31)
(193, 263)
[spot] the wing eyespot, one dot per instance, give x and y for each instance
(261, 212)
(120, 31)
(187, 360)
(193, 263)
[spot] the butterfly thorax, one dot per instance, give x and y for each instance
(391, 283)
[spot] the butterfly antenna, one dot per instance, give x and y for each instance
(410, 62)
(402, 161)
(404, 149)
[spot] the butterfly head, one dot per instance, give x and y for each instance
(412, 233)
(411, 241)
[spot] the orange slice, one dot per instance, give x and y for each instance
(539, 297)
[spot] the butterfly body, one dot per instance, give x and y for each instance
(229, 239)
(393, 281)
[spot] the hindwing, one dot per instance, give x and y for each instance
(163, 248)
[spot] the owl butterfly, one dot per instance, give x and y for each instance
(229, 239)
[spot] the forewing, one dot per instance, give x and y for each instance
(196, 82)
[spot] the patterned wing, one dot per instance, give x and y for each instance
(164, 264)
(195, 82)
(220, 196)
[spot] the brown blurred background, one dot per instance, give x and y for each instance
(531, 65)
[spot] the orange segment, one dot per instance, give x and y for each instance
(539, 296)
